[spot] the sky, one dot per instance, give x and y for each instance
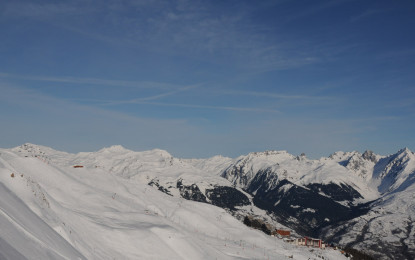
(204, 78)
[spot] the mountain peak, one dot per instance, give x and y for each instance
(369, 156)
(402, 154)
(405, 151)
(35, 149)
(114, 149)
(30, 146)
(160, 152)
(343, 156)
(269, 153)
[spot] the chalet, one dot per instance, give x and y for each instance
(281, 232)
(307, 241)
(314, 242)
(290, 240)
(300, 241)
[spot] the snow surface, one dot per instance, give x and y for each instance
(106, 210)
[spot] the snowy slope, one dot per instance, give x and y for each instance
(387, 231)
(106, 210)
(26, 235)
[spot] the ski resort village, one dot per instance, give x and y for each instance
(283, 234)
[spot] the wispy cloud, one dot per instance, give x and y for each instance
(92, 81)
(188, 28)
(149, 98)
(365, 14)
(316, 8)
(229, 108)
(375, 119)
(40, 10)
(403, 53)
(276, 95)
(70, 126)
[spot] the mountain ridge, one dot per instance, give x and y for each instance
(50, 209)
(328, 197)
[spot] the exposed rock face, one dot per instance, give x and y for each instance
(155, 183)
(302, 209)
(342, 192)
(227, 197)
(190, 192)
(370, 156)
(260, 224)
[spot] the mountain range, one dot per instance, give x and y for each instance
(118, 203)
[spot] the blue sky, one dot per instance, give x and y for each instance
(200, 78)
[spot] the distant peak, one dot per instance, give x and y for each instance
(114, 149)
(219, 157)
(268, 153)
(28, 145)
(161, 152)
(404, 151)
(270, 156)
(32, 147)
(300, 157)
(340, 155)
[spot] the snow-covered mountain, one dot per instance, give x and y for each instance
(387, 230)
(360, 200)
(103, 204)
(56, 205)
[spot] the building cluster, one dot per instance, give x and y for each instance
(306, 241)
(283, 234)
